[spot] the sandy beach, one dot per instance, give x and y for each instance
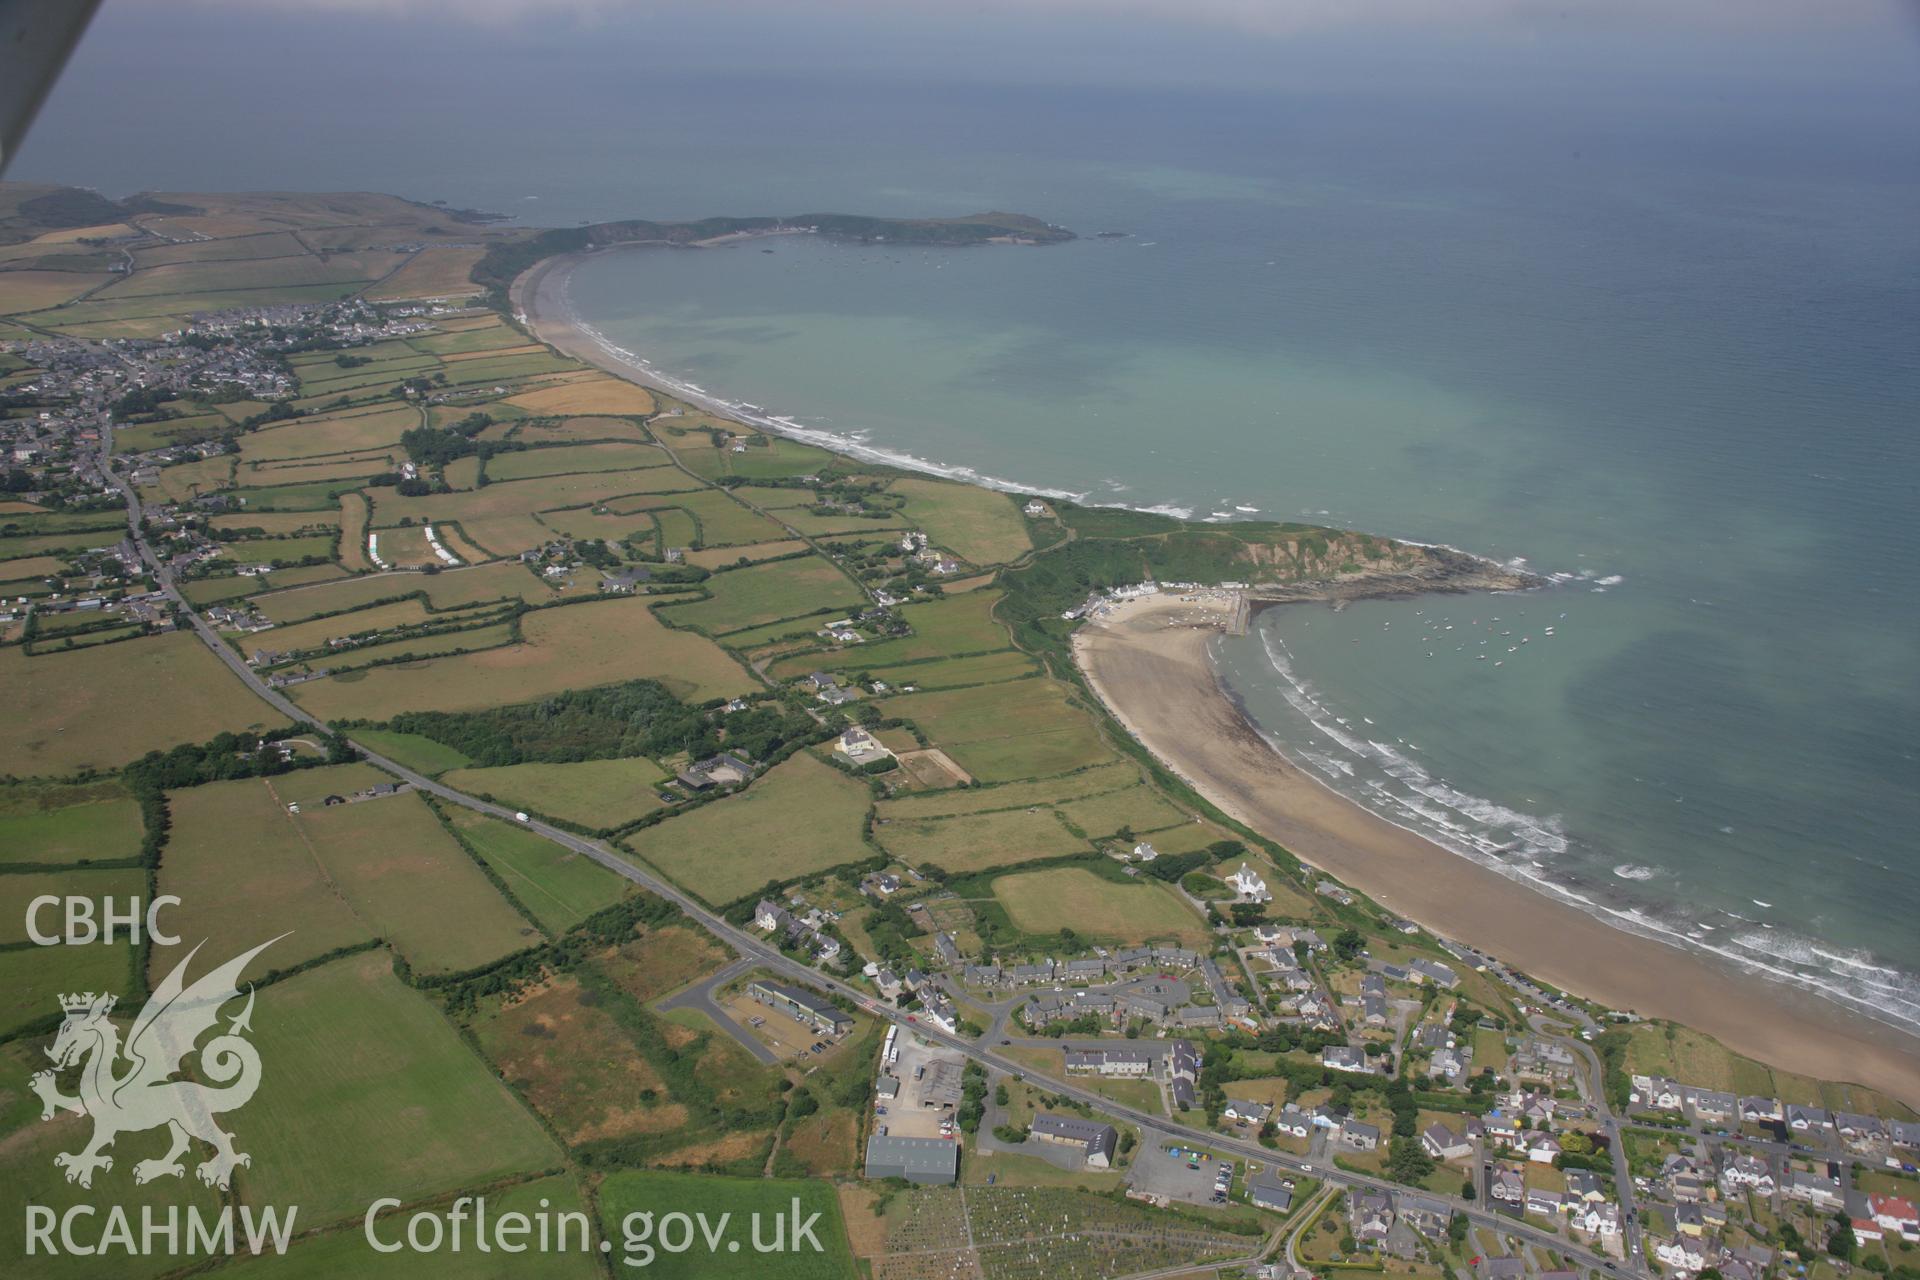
(1148, 660)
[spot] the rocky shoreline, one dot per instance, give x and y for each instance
(1444, 570)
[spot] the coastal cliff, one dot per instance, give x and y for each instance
(1420, 570)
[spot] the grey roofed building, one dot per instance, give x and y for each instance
(945, 947)
(1363, 1137)
(1184, 1060)
(1182, 1090)
(1435, 972)
(802, 1006)
(1265, 1191)
(1098, 1140)
(934, 1161)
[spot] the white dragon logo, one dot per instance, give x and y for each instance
(147, 1096)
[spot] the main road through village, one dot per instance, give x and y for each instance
(768, 957)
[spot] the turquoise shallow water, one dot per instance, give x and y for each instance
(1692, 402)
(1653, 333)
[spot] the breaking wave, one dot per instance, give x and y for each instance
(1534, 848)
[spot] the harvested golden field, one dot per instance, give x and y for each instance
(354, 514)
(330, 434)
(577, 647)
(100, 707)
(720, 557)
(453, 589)
(434, 272)
(601, 395)
(34, 290)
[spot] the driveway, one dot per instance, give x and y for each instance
(700, 996)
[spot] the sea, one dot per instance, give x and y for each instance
(1662, 347)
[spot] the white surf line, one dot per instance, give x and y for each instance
(446, 556)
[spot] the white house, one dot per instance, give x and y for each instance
(860, 747)
(1249, 886)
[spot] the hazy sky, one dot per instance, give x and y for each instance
(170, 93)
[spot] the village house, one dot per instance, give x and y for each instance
(1328, 889)
(1424, 970)
(860, 747)
(1896, 1214)
(1343, 1057)
(1248, 886)
(1293, 1121)
(1135, 1064)
(1812, 1188)
(1246, 1112)
(1442, 1143)
(1542, 1201)
(1358, 1135)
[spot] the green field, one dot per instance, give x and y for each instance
(662, 1194)
(957, 673)
(1074, 898)
(762, 593)
(448, 590)
(413, 884)
(1022, 729)
(977, 841)
(1135, 808)
(236, 860)
(558, 887)
(32, 979)
(941, 629)
(802, 816)
(565, 648)
(982, 526)
(89, 822)
(1014, 795)
(103, 706)
(777, 459)
(416, 752)
(593, 793)
(28, 1174)
(394, 1104)
(559, 460)
(271, 550)
(345, 1251)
